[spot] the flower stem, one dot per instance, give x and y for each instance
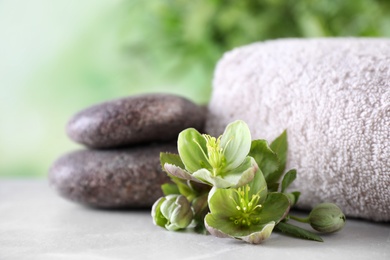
(303, 220)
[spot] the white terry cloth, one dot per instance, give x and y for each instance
(333, 97)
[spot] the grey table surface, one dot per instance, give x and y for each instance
(35, 223)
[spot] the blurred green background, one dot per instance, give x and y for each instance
(57, 57)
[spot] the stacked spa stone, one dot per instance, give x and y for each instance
(124, 137)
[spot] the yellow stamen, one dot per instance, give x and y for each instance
(247, 215)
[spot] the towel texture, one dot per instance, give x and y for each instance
(333, 97)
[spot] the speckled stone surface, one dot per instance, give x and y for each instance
(123, 178)
(134, 120)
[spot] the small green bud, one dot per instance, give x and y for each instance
(327, 218)
(158, 218)
(173, 212)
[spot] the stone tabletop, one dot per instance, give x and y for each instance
(35, 223)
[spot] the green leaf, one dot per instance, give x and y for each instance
(265, 158)
(236, 142)
(273, 187)
(280, 147)
(192, 150)
(199, 188)
(288, 178)
(200, 228)
(200, 205)
(296, 195)
(293, 197)
(185, 190)
(171, 158)
(181, 178)
(169, 188)
(295, 231)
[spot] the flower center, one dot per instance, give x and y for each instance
(246, 206)
(215, 154)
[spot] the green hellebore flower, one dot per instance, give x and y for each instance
(172, 212)
(222, 162)
(327, 218)
(246, 213)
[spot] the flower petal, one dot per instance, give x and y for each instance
(157, 216)
(179, 172)
(182, 213)
(259, 236)
(172, 227)
(258, 185)
(210, 227)
(222, 203)
(205, 176)
(192, 149)
(236, 140)
(168, 205)
(223, 227)
(242, 174)
(275, 208)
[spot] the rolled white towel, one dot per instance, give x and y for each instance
(333, 97)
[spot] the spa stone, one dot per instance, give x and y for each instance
(121, 178)
(134, 120)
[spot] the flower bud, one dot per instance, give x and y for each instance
(172, 212)
(327, 218)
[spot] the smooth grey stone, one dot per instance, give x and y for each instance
(134, 120)
(122, 178)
